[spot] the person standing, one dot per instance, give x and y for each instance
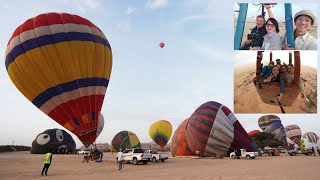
(120, 159)
(47, 162)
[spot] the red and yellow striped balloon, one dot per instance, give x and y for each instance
(62, 64)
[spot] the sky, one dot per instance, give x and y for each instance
(147, 83)
(277, 10)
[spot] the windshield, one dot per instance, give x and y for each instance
(138, 151)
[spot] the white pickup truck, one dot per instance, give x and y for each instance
(155, 156)
(243, 153)
(135, 156)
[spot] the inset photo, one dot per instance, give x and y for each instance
(275, 26)
(275, 82)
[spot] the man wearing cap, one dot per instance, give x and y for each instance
(303, 40)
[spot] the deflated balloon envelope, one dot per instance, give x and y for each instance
(179, 146)
(62, 63)
(213, 128)
(124, 140)
(160, 132)
(54, 140)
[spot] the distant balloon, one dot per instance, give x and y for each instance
(277, 129)
(307, 143)
(161, 44)
(253, 132)
(293, 132)
(179, 146)
(213, 128)
(124, 140)
(266, 120)
(311, 136)
(160, 132)
(62, 63)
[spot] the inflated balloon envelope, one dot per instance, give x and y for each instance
(293, 132)
(62, 64)
(160, 132)
(213, 129)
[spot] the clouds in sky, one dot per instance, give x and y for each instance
(156, 4)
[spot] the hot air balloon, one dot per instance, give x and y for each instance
(213, 128)
(161, 45)
(100, 125)
(307, 143)
(62, 64)
(160, 132)
(54, 140)
(293, 132)
(179, 146)
(253, 132)
(311, 136)
(266, 120)
(277, 129)
(124, 140)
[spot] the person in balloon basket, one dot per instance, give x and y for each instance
(47, 162)
(120, 160)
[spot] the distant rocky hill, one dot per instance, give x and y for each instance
(10, 148)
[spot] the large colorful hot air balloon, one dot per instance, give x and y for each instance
(253, 132)
(124, 140)
(311, 136)
(277, 129)
(266, 120)
(293, 132)
(179, 146)
(62, 64)
(160, 132)
(213, 128)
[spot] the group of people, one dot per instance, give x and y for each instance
(281, 73)
(267, 33)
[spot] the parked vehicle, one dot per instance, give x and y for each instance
(306, 152)
(155, 156)
(135, 156)
(243, 153)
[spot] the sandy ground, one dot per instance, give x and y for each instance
(247, 99)
(23, 165)
(282, 27)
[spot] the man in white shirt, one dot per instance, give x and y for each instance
(120, 159)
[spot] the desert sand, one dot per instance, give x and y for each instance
(247, 99)
(23, 165)
(282, 27)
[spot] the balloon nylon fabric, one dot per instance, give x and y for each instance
(293, 132)
(213, 128)
(62, 64)
(160, 132)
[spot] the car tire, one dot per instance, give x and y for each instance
(247, 156)
(293, 154)
(154, 159)
(135, 161)
(253, 157)
(233, 157)
(162, 160)
(144, 162)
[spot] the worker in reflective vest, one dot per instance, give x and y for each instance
(47, 161)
